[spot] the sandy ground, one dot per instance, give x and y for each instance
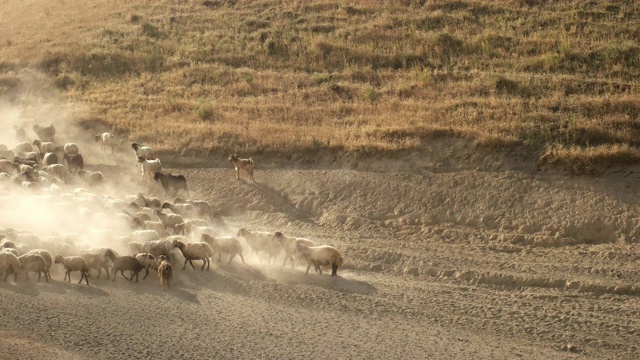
(445, 258)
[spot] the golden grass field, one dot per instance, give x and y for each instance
(558, 80)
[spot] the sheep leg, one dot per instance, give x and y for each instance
(68, 274)
(191, 262)
(231, 256)
(308, 266)
(86, 277)
(208, 264)
(122, 273)
(6, 275)
(241, 257)
(113, 275)
(238, 173)
(334, 270)
(146, 273)
(47, 276)
(185, 264)
(39, 276)
(251, 175)
(204, 263)
(136, 276)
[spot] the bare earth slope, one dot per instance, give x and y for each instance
(442, 261)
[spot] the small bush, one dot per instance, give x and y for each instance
(206, 113)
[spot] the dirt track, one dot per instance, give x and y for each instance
(442, 261)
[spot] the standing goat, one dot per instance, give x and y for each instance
(242, 164)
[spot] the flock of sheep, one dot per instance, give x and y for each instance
(157, 235)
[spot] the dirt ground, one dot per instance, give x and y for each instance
(448, 255)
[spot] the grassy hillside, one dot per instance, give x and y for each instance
(199, 77)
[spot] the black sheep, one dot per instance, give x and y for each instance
(172, 183)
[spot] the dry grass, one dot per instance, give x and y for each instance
(202, 77)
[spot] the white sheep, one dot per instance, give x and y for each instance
(9, 262)
(242, 164)
(57, 170)
(289, 244)
(171, 221)
(150, 225)
(260, 241)
(9, 166)
(147, 261)
(140, 236)
(149, 167)
(185, 210)
(196, 232)
(195, 251)
(34, 263)
(22, 148)
(320, 256)
(46, 255)
(107, 140)
(143, 151)
(71, 149)
(44, 147)
(91, 178)
(74, 263)
(224, 245)
(98, 262)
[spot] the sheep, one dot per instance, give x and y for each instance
(196, 232)
(261, 242)
(9, 261)
(144, 235)
(71, 149)
(107, 140)
(170, 220)
(21, 135)
(44, 147)
(98, 262)
(122, 264)
(242, 164)
(74, 162)
(22, 148)
(147, 261)
(289, 244)
(171, 183)
(9, 166)
(45, 133)
(12, 251)
(46, 255)
(57, 170)
(153, 203)
(165, 272)
(74, 263)
(150, 225)
(7, 154)
(34, 263)
(186, 210)
(143, 151)
(226, 244)
(203, 207)
(27, 162)
(319, 256)
(90, 178)
(149, 167)
(195, 251)
(49, 158)
(188, 225)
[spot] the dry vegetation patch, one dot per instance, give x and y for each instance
(218, 76)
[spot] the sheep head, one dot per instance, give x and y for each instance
(135, 146)
(59, 260)
(166, 205)
(141, 159)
